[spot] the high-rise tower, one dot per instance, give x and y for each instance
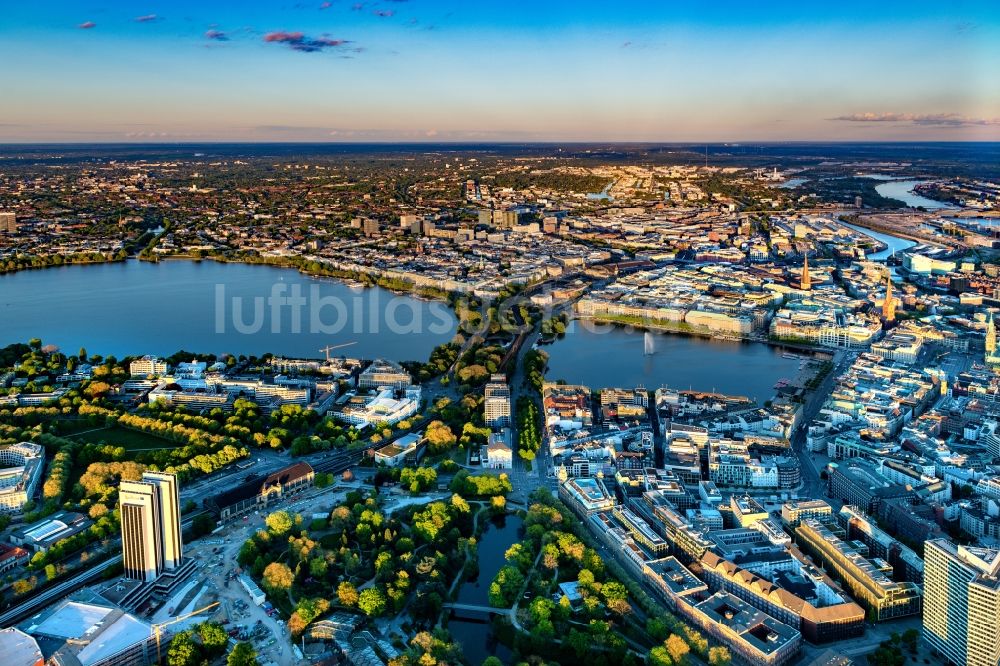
(962, 602)
(151, 526)
(170, 515)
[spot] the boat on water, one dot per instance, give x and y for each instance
(354, 285)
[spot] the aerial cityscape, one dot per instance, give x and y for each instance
(315, 349)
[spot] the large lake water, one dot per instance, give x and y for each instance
(145, 308)
(600, 356)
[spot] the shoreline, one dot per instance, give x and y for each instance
(707, 335)
(349, 282)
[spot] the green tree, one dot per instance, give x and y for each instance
(371, 601)
(242, 655)
(202, 525)
(279, 523)
(213, 637)
(317, 567)
(183, 651)
(248, 553)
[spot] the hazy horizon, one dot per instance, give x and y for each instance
(426, 71)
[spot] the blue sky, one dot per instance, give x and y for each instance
(423, 70)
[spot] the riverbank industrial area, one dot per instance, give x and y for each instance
(205, 507)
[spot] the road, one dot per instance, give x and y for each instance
(812, 486)
(526, 481)
(28, 606)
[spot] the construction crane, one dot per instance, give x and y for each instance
(157, 628)
(328, 348)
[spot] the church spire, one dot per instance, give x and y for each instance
(804, 282)
(991, 337)
(889, 304)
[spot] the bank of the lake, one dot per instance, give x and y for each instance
(472, 630)
(137, 307)
(602, 356)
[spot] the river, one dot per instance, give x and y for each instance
(139, 307)
(602, 356)
(902, 190)
(473, 630)
(893, 243)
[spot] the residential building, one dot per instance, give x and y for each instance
(21, 468)
(866, 579)
(793, 512)
(8, 221)
(146, 366)
(11, 557)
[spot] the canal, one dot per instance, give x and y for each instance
(137, 307)
(473, 630)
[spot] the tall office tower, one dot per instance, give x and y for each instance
(151, 525)
(142, 548)
(962, 602)
(170, 516)
(496, 405)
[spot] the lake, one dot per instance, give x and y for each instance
(137, 307)
(602, 356)
(473, 630)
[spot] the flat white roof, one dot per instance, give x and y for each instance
(73, 620)
(123, 633)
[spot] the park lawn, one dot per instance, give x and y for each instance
(132, 440)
